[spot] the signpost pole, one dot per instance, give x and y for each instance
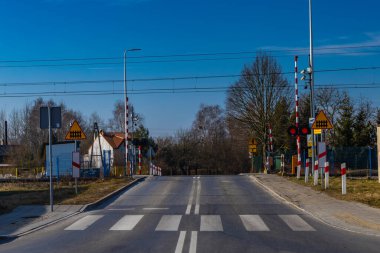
(378, 153)
(50, 161)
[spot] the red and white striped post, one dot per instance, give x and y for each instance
(316, 173)
(343, 171)
(140, 156)
(297, 118)
(307, 170)
(327, 174)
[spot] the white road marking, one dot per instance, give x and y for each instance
(193, 242)
(196, 211)
(84, 223)
(296, 223)
(169, 223)
(188, 209)
(155, 208)
(121, 209)
(128, 222)
(181, 242)
(253, 223)
(211, 223)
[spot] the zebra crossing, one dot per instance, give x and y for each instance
(208, 223)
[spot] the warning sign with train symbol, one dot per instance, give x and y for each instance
(75, 132)
(322, 122)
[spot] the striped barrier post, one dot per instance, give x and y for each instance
(139, 159)
(343, 171)
(282, 164)
(316, 173)
(307, 170)
(327, 174)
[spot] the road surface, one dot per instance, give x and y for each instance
(193, 214)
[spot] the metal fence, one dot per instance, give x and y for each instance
(360, 161)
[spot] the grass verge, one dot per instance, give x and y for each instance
(37, 193)
(365, 191)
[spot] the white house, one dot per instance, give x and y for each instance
(113, 149)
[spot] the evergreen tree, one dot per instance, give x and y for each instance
(363, 127)
(345, 124)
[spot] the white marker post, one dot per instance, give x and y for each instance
(327, 174)
(344, 178)
(316, 173)
(307, 170)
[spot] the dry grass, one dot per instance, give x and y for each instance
(366, 191)
(37, 193)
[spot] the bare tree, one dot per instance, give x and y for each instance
(329, 100)
(253, 98)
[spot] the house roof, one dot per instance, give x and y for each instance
(115, 139)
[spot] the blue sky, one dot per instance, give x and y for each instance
(346, 35)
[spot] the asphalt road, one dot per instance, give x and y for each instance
(193, 214)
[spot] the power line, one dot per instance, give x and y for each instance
(47, 83)
(166, 91)
(179, 55)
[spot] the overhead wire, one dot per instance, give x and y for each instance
(253, 53)
(174, 78)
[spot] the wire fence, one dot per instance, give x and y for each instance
(360, 161)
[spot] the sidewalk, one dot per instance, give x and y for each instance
(26, 219)
(351, 216)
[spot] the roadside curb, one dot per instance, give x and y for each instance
(93, 205)
(289, 202)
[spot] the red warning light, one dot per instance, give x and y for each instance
(305, 130)
(292, 131)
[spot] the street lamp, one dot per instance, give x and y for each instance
(126, 108)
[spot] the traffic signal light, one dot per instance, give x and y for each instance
(292, 131)
(302, 130)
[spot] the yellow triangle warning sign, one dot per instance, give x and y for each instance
(322, 122)
(75, 132)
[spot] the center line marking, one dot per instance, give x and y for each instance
(188, 209)
(196, 211)
(181, 242)
(193, 242)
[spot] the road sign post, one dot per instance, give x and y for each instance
(76, 168)
(378, 153)
(252, 149)
(50, 117)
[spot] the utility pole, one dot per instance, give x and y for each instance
(311, 66)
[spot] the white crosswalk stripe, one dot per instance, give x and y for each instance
(253, 223)
(211, 223)
(208, 223)
(84, 223)
(296, 223)
(169, 223)
(128, 222)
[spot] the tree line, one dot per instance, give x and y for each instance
(29, 140)
(217, 141)
(262, 98)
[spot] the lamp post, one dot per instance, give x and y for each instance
(126, 108)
